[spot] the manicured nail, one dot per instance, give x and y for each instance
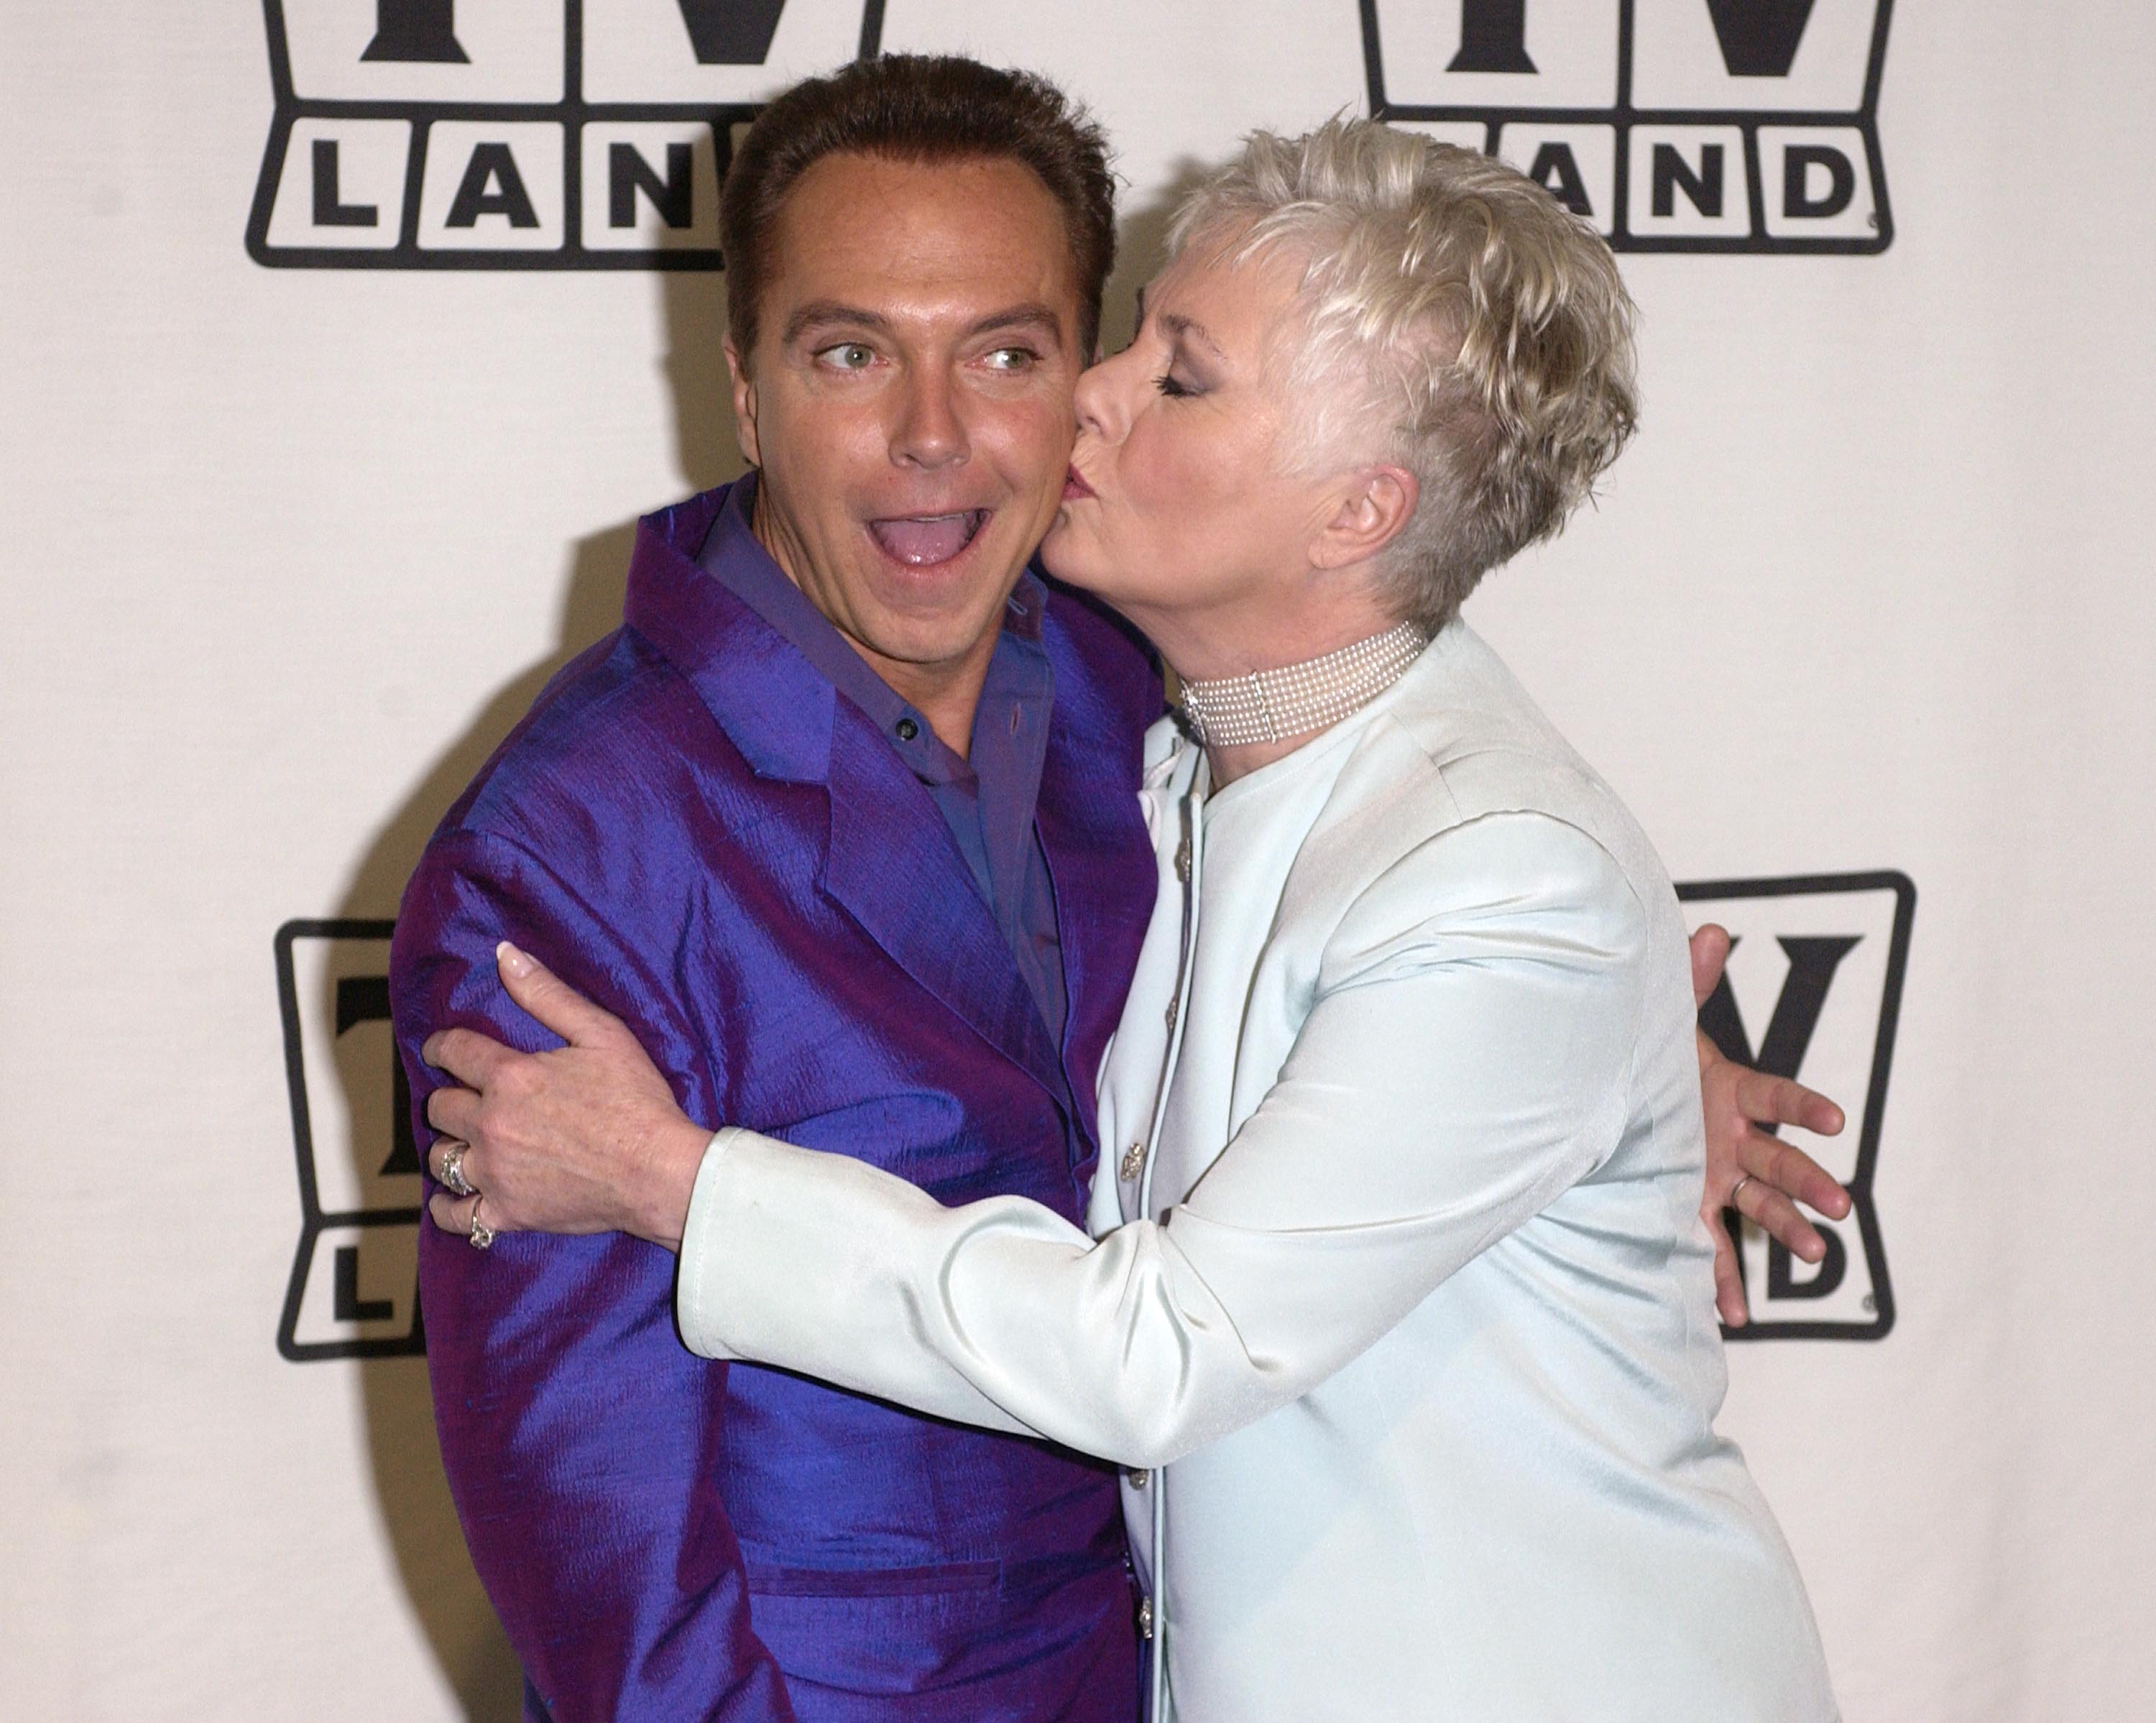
(514, 963)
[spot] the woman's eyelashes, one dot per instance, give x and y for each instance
(1178, 379)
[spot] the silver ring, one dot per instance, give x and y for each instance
(453, 1179)
(481, 1234)
(1746, 1180)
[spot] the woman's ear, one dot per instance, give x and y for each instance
(1378, 503)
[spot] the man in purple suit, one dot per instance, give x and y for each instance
(847, 759)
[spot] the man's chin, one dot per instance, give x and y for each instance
(926, 628)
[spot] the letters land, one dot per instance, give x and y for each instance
(502, 134)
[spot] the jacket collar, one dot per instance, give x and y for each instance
(771, 702)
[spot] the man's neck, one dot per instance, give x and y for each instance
(947, 695)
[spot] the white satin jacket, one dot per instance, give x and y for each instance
(1397, 1304)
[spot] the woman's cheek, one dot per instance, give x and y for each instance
(1192, 491)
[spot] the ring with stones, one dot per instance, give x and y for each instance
(453, 1179)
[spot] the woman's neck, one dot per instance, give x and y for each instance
(1270, 686)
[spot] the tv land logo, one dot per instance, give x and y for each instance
(1746, 126)
(593, 134)
(1813, 991)
(354, 1291)
(521, 134)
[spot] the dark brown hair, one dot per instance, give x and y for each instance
(910, 107)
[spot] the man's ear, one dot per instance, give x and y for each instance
(744, 404)
(1377, 504)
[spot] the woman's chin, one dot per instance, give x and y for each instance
(1067, 555)
(1075, 557)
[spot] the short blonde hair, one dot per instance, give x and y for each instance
(1454, 318)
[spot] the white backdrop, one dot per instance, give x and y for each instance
(286, 550)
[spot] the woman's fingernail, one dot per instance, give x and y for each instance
(514, 963)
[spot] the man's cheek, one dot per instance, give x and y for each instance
(1043, 420)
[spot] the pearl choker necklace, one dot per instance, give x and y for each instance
(1274, 705)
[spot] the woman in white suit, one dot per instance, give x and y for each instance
(1396, 1303)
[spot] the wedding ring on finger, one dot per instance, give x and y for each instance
(1734, 1190)
(481, 1235)
(451, 1178)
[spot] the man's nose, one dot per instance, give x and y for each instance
(930, 431)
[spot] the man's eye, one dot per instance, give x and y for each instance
(1012, 358)
(847, 356)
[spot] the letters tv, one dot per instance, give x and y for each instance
(1670, 125)
(521, 134)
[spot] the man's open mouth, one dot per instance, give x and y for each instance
(922, 541)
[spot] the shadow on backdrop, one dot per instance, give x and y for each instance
(410, 1492)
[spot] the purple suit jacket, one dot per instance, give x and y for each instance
(693, 829)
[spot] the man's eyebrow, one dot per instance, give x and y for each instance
(830, 311)
(1037, 317)
(819, 312)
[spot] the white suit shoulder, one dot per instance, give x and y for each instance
(1459, 742)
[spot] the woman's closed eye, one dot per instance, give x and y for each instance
(1169, 384)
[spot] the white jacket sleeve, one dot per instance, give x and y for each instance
(1467, 1059)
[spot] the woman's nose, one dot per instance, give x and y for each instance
(929, 432)
(1099, 399)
